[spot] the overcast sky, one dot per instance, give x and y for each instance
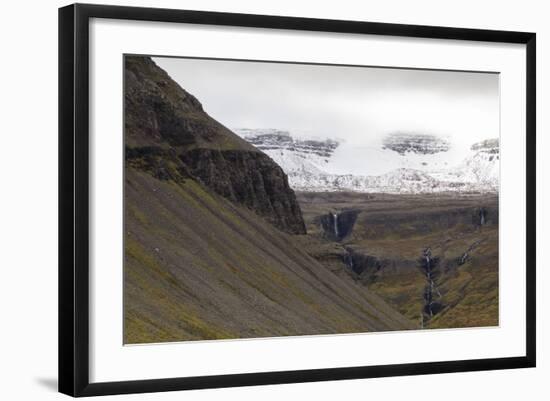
(355, 104)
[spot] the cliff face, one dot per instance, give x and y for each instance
(170, 136)
(270, 139)
(403, 143)
(251, 179)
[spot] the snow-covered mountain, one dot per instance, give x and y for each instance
(401, 163)
(293, 155)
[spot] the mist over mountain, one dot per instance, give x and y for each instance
(357, 106)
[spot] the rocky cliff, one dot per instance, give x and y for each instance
(169, 135)
(274, 139)
(403, 143)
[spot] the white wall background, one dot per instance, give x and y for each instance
(28, 199)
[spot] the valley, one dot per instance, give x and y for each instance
(432, 257)
(254, 233)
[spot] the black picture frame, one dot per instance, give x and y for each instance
(74, 198)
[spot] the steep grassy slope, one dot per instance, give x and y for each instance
(198, 266)
(387, 246)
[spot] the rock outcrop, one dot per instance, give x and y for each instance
(251, 179)
(273, 139)
(169, 135)
(403, 143)
(490, 146)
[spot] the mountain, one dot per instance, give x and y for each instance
(295, 155)
(211, 244)
(169, 134)
(401, 163)
(481, 167)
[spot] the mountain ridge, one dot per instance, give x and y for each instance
(419, 164)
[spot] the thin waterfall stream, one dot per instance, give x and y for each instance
(482, 216)
(338, 224)
(335, 222)
(431, 306)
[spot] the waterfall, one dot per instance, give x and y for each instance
(348, 258)
(482, 219)
(430, 307)
(337, 224)
(427, 253)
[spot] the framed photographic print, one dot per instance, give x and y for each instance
(249, 199)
